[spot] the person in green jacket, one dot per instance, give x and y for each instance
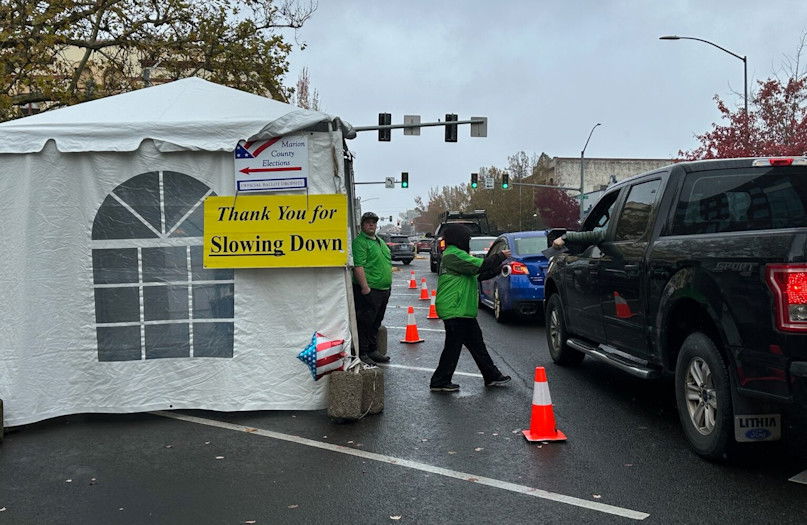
(457, 304)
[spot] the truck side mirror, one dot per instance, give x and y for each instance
(430, 235)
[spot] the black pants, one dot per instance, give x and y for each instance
(370, 310)
(463, 331)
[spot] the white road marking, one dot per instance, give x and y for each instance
(424, 329)
(422, 369)
(800, 478)
(406, 295)
(395, 306)
(424, 467)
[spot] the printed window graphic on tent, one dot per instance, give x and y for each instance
(153, 297)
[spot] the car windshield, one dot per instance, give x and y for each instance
(530, 245)
(398, 239)
(474, 227)
(481, 243)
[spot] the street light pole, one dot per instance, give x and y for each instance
(743, 58)
(582, 172)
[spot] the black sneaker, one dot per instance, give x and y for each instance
(499, 381)
(367, 360)
(450, 387)
(378, 357)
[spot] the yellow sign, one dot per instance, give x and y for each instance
(275, 231)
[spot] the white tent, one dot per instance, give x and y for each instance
(106, 305)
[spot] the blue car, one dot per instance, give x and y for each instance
(518, 289)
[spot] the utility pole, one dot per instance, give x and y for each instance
(582, 172)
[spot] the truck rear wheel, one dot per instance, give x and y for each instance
(556, 335)
(703, 397)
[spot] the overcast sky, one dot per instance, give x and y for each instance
(543, 72)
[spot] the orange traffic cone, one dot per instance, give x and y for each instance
(411, 328)
(623, 310)
(424, 290)
(432, 307)
(542, 420)
(412, 283)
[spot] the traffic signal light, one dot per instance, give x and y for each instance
(505, 181)
(451, 129)
(390, 218)
(384, 119)
(474, 180)
(404, 179)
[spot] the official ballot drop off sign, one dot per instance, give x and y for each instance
(275, 231)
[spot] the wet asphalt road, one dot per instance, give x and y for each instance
(428, 458)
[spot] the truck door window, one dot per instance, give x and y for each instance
(600, 216)
(744, 199)
(635, 216)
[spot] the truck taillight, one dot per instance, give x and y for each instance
(442, 245)
(788, 282)
(517, 268)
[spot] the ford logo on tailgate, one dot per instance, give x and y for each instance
(758, 434)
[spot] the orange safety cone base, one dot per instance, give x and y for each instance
(432, 314)
(412, 342)
(535, 436)
(424, 295)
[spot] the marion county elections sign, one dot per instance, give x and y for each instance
(278, 164)
(275, 231)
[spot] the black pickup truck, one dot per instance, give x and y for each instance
(701, 272)
(476, 221)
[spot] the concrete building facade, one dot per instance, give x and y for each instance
(598, 173)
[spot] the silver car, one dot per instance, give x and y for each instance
(480, 246)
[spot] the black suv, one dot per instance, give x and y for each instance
(400, 247)
(476, 221)
(701, 273)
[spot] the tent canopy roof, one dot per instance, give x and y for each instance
(187, 114)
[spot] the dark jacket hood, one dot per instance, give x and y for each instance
(457, 235)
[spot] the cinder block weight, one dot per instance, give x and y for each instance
(344, 396)
(353, 394)
(372, 392)
(382, 340)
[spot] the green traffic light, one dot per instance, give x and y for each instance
(404, 185)
(505, 186)
(474, 185)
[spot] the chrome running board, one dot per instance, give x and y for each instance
(615, 358)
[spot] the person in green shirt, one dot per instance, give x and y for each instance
(372, 281)
(457, 304)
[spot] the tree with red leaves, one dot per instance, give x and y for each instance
(776, 124)
(556, 208)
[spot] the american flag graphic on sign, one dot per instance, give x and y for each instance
(323, 355)
(250, 150)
